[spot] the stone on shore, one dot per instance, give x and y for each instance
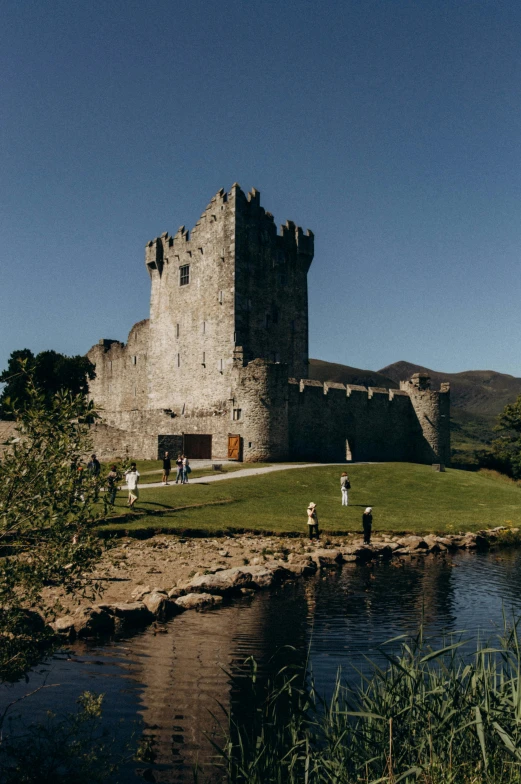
(327, 558)
(85, 622)
(133, 614)
(198, 601)
(413, 542)
(232, 580)
(301, 565)
(434, 544)
(176, 592)
(158, 603)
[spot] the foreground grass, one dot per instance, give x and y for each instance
(430, 716)
(404, 497)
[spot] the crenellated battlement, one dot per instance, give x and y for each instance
(223, 206)
(324, 388)
(228, 325)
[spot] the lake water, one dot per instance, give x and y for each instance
(167, 686)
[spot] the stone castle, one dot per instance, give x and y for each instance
(220, 369)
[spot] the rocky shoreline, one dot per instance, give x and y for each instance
(149, 582)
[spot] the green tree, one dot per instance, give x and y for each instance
(50, 372)
(507, 447)
(47, 516)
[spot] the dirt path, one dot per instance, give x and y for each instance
(243, 472)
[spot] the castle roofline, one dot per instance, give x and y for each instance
(252, 199)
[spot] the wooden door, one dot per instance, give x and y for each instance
(197, 446)
(234, 447)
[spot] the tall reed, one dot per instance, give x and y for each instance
(429, 716)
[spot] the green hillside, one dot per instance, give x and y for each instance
(404, 497)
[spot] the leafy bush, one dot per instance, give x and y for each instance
(47, 517)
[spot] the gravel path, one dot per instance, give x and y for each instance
(238, 474)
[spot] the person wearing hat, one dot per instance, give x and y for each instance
(367, 522)
(313, 520)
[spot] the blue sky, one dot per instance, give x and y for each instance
(391, 129)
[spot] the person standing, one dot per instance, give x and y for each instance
(94, 469)
(80, 475)
(345, 486)
(367, 522)
(132, 477)
(179, 467)
(167, 467)
(112, 485)
(94, 466)
(313, 521)
(186, 469)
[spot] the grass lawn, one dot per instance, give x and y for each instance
(404, 497)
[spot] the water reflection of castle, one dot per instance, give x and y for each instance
(186, 673)
(198, 666)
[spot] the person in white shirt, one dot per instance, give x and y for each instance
(345, 486)
(186, 470)
(132, 477)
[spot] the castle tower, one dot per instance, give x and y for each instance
(432, 409)
(231, 283)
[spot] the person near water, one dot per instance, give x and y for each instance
(132, 477)
(367, 522)
(345, 486)
(167, 467)
(112, 485)
(313, 520)
(179, 468)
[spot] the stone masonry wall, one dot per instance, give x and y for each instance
(432, 413)
(330, 422)
(190, 355)
(261, 397)
(121, 371)
(271, 295)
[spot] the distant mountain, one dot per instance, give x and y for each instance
(343, 374)
(482, 392)
(477, 396)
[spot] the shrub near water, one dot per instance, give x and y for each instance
(435, 717)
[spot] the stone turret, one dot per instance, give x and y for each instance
(432, 409)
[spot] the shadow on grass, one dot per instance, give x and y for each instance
(136, 514)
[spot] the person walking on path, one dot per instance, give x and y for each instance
(112, 485)
(132, 477)
(313, 521)
(367, 522)
(345, 486)
(167, 467)
(179, 467)
(186, 470)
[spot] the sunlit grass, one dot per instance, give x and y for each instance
(404, 497)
